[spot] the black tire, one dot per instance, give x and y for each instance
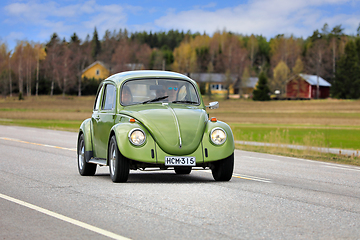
(182, 170)
(118, 164)
(222, 170)
(85, 169)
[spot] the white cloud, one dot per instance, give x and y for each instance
(50, 17)
(266, 17)
(15, 36)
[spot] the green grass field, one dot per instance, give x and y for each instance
(347, 137)
(322, 123)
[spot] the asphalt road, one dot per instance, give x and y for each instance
(42, 196)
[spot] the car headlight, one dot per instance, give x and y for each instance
(137, 136)
(218, 136)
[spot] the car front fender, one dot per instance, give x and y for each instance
(144, 153)
(213, 152)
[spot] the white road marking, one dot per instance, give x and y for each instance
(64, 218)
(252, 178)
(266, 159)
(343, 168)
(38, 144)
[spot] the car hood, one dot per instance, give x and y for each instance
(164, 122)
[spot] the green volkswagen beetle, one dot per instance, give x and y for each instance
(153, 119)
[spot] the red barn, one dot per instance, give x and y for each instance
(304, 86)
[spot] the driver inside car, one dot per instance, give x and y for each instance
(126, 96)
(171, 91)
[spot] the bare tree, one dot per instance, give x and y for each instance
(3, 69)
(122, 56)
(79, 58)
(285, 49)
(40, 55)
(253, 48)
(18, 59)
(319, 60)
(52, 60)
(29, 57)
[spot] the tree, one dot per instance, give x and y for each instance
(52, 61)
(244, 80)
(108, 46)
(261, 92)
(122, 55)
(64, 81)
(299, 67)
(263, 57)
(281, 75)
(4, 70)
(40, 55)
(347, 76)
(184, 58)
(79, 58)
(95, 45)
(284, 49)
(335, 37)
(253, 48)
(18, 59)
(29, 57)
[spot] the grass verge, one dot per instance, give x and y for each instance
(305, 154)
(72, 126)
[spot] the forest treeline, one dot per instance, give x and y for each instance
(55, 67)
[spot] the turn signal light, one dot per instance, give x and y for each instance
(132, 120)
(213, 119)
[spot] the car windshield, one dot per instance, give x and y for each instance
(144, 91)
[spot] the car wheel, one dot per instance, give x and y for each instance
(118, 164)
(85, 169)
(182, 170)
(222, 170)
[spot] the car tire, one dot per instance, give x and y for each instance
(182, 170)
(118, 164)
(222, 170)
(85, 169)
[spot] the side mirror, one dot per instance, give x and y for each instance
(213, 105)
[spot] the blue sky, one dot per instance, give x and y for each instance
(36, 20)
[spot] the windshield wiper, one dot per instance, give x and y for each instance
(155, 99)
(191, 102)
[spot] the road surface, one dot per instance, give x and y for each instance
(42, 196)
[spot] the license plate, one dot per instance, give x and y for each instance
(180, 161)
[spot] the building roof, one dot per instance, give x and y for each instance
(211, 77)
(251, 82)
(312, 80)
(134, 66)
(94, 63)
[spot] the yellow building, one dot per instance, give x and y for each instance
(216, 82)
(97, 70)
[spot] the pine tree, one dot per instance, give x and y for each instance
(347, 76)
(95, 45)
(261, 93)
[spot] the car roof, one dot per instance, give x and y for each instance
(119, 78)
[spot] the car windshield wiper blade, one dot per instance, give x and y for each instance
(155, 99)
(191, 102)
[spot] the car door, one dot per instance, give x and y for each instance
(103, 120)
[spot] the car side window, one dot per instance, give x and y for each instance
(97, 101)
(108, 102)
